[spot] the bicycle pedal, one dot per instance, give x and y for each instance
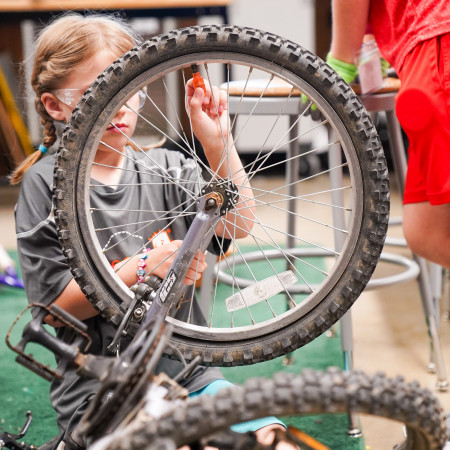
(34, 332)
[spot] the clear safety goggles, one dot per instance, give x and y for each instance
(71, 97)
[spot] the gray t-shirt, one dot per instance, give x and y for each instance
(46, 273)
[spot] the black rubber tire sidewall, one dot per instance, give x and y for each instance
(292, 58)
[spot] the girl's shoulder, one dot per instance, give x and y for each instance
(41, 172)
(35, 197)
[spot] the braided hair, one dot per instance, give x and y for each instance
(68, 41)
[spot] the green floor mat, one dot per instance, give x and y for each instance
(22, 390)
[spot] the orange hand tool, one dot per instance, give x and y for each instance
(198, 81)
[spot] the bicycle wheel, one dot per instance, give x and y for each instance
(314, 241)
(312, 392)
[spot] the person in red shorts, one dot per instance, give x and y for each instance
(414, 36)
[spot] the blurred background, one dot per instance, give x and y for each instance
(306, 22)
(389, 327)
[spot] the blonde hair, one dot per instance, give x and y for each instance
(65, 43)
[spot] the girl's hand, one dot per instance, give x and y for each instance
(160, 259)
(207, 113)
(266, 435)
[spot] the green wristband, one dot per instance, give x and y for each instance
(346, 71)
(384, 66)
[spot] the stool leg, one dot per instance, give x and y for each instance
(354, 429)
(435, 271)
(399, 159)
(292, 171)
(433, 329)
(446, 294)
(339, 221)
(397, 148)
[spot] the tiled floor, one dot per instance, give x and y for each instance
(389, 329)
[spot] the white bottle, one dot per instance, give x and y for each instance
(369, 67)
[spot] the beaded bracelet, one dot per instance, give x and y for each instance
(141, 265)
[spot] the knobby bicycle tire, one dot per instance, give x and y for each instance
(324, 301)
(312, 392)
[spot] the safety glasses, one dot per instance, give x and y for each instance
(71, 97)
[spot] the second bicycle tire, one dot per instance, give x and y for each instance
(312, 392)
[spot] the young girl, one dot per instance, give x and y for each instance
(70, 54)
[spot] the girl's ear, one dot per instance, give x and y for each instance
(53, 106)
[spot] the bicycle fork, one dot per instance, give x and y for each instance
(198, 237)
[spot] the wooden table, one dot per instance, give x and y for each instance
(12, 10)
(48, 5)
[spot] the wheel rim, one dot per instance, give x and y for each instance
(353, 207)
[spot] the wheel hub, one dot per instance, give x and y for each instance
(223, 192)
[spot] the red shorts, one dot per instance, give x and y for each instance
(423, 109)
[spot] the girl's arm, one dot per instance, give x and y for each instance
(73, 300)
(349, 24)
(211, 122)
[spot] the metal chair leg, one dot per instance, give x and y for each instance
(432, 323)
(446, 294)
(354, 429)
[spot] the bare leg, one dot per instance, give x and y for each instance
(427, 231)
